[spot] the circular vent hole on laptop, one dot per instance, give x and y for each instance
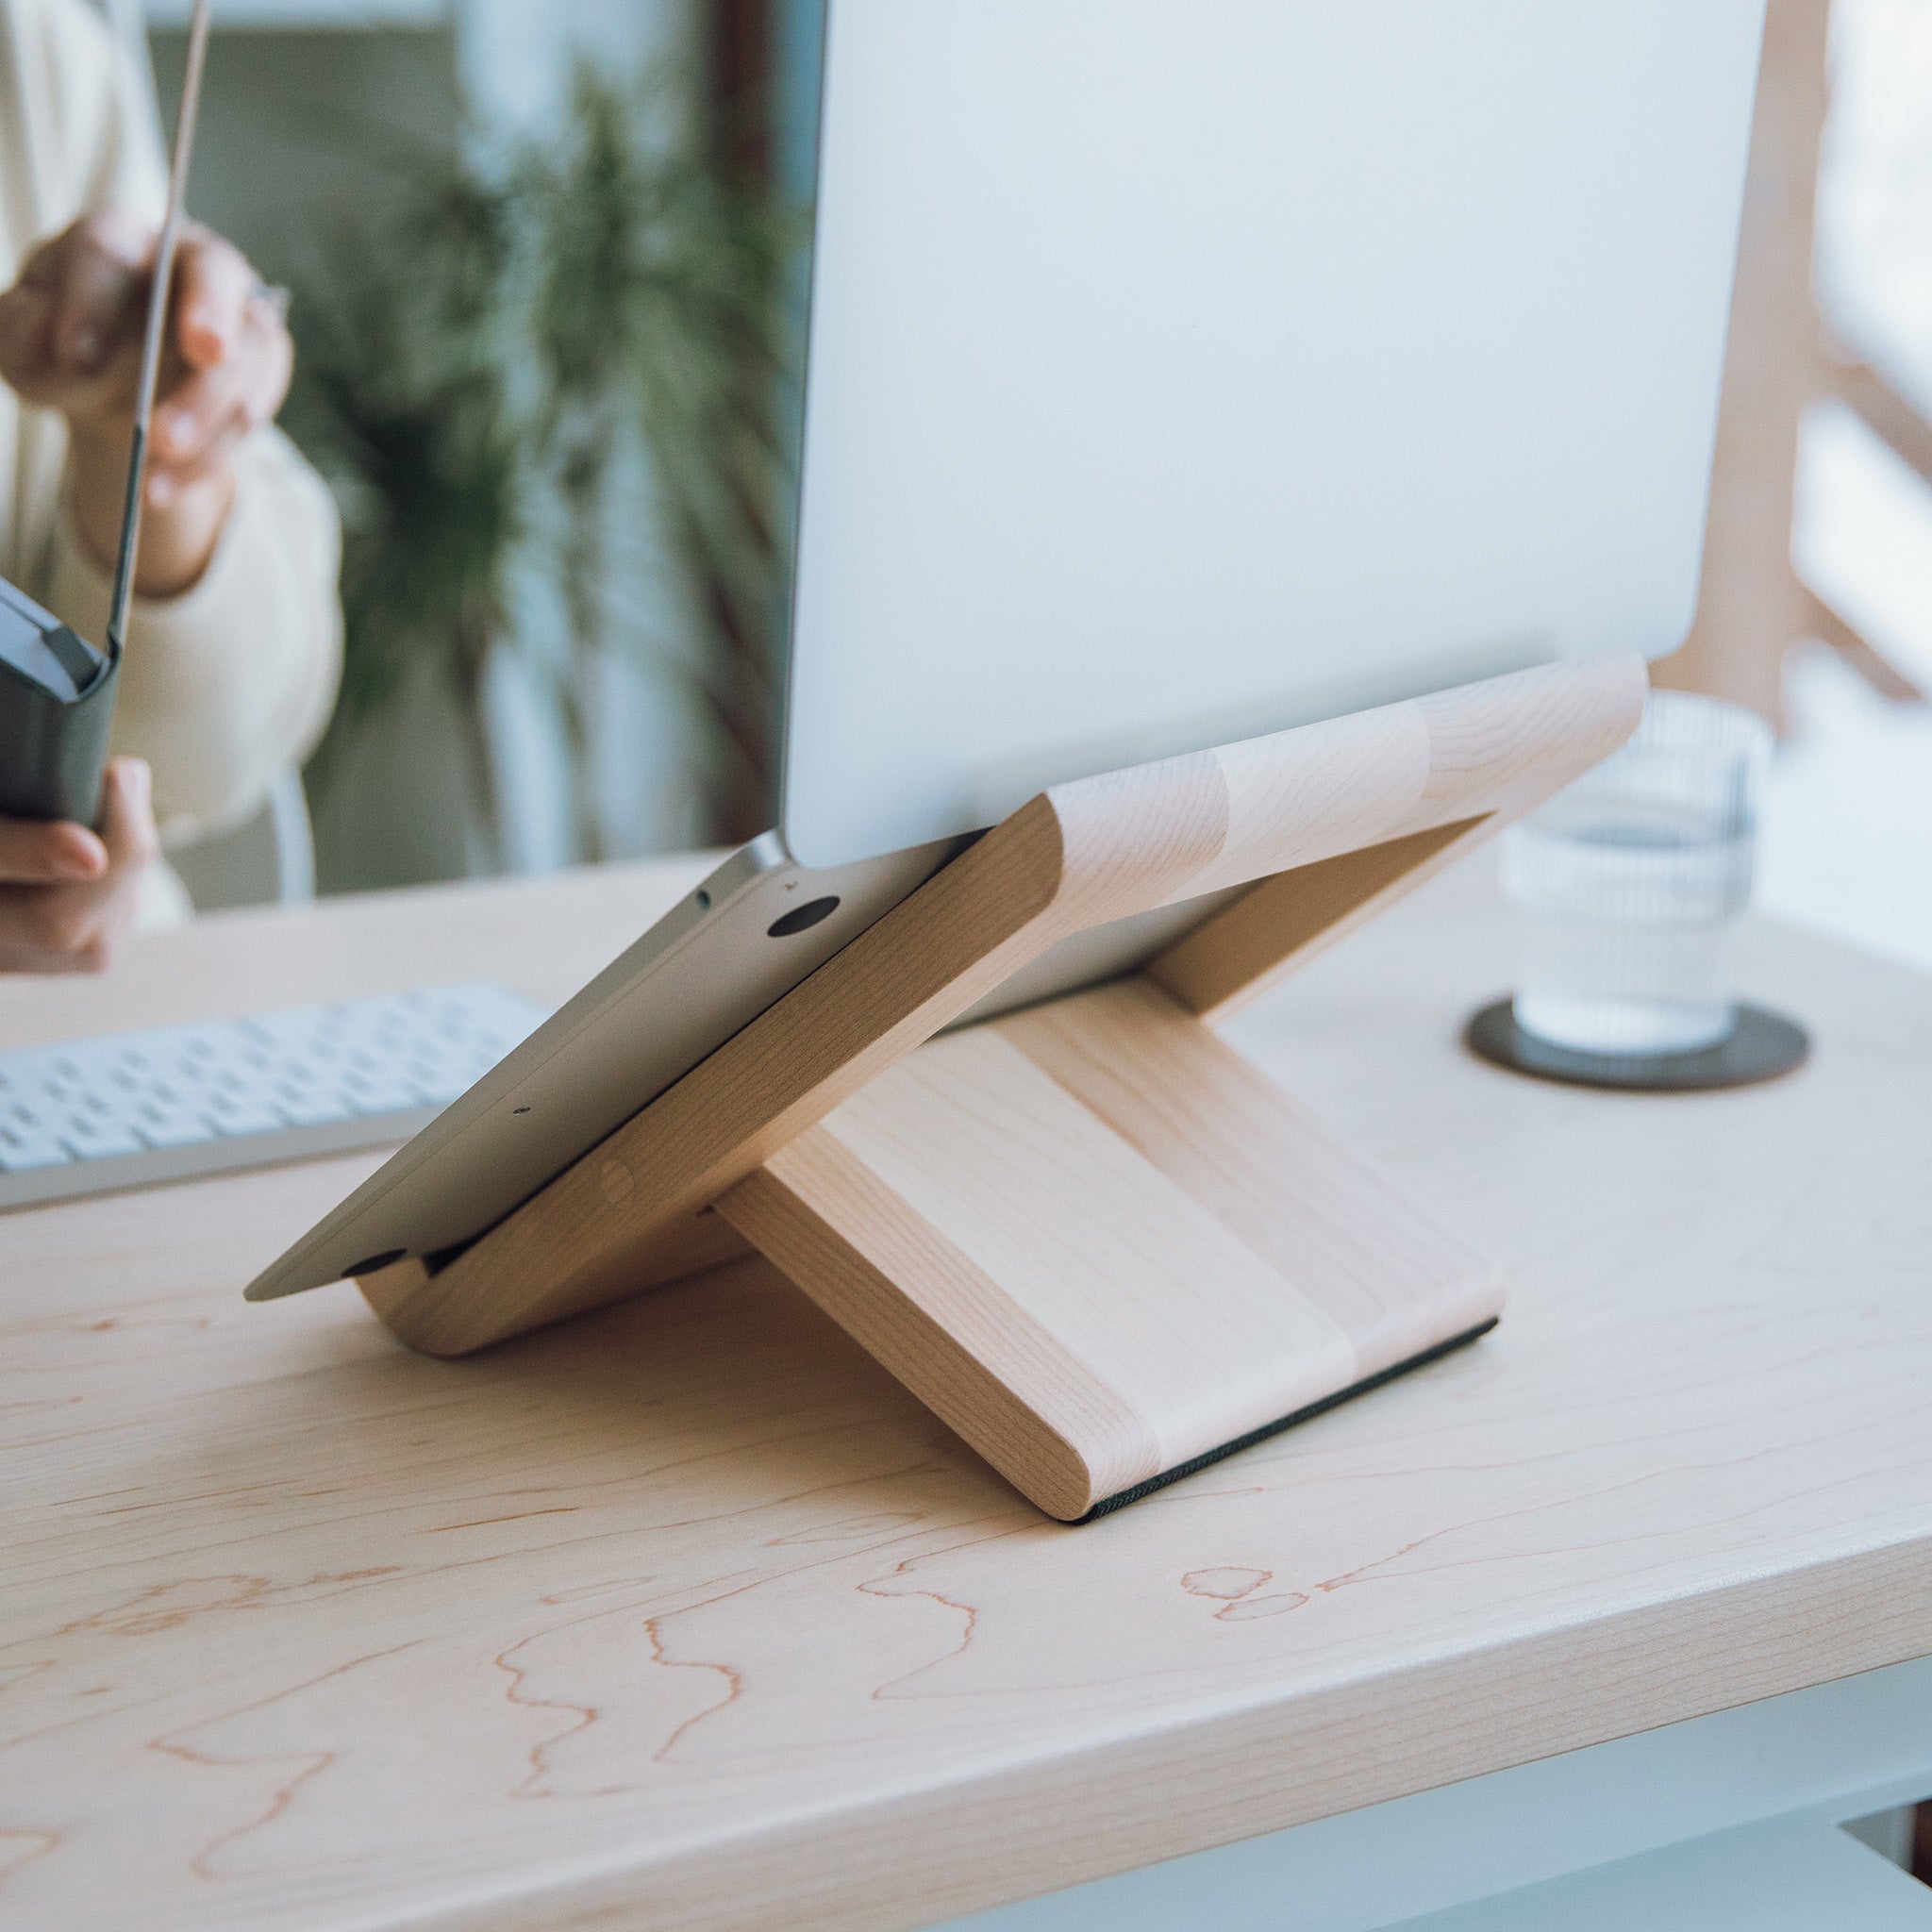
(802, 918)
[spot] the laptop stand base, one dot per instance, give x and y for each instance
(1088, 1235)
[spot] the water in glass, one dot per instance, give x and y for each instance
(1628, 884)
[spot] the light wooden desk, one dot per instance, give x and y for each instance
(686, 1616)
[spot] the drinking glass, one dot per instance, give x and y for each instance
(1628, 883)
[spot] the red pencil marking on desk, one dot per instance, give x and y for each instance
(1252, 1606)
(1227, 1583)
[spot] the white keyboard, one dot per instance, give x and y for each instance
(128, 1109)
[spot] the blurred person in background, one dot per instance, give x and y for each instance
(234, 646)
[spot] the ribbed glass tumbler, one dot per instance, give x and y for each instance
(1628, 883)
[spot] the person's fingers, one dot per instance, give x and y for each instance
(213, 283)
(66, 916)
(127, 815)
(57, 928)
(274, 363)
(65, 928)
(27, 337)
(32, 853)
(197, 410)
(26, 314)
(40, 267)
(103, 275)
(70, 336)
(172, 485)
(76, 928)
(211, 409)
(29, 366)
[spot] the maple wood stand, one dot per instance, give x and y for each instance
(1088, 1235)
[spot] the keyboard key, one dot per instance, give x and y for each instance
(242, 1088)
(90, 1139)
(373, 1097)
(173, 1129)
(291, 1029)
(21, 1154)
(241, 1113)
(313, 1109)
(110, 1107)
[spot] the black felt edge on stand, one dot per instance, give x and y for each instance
(1108, 1504)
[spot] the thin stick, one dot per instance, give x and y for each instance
(157, 330)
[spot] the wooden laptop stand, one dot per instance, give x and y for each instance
(1089, 1236)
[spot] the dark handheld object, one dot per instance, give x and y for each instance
(57, 691)
(57, 701)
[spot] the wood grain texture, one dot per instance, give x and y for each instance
(1783, 358)
(416, 1303)
(1079, 856)
(687, 1616)
(944, 1327)
(1751, 605)
(1887, 411)
(1831, 628)
(1492, 765)
(1390, 1278)
(1248, 948)
(1124, 1245)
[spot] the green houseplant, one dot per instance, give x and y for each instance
(548, 388)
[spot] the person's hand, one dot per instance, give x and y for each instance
(70, 340)
(67, 894)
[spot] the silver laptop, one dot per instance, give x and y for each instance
(1179, 371)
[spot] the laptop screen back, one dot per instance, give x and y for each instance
(1182, 370)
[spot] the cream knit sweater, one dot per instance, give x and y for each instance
(226, 685)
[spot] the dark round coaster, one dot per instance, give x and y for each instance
(1761, 1047)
